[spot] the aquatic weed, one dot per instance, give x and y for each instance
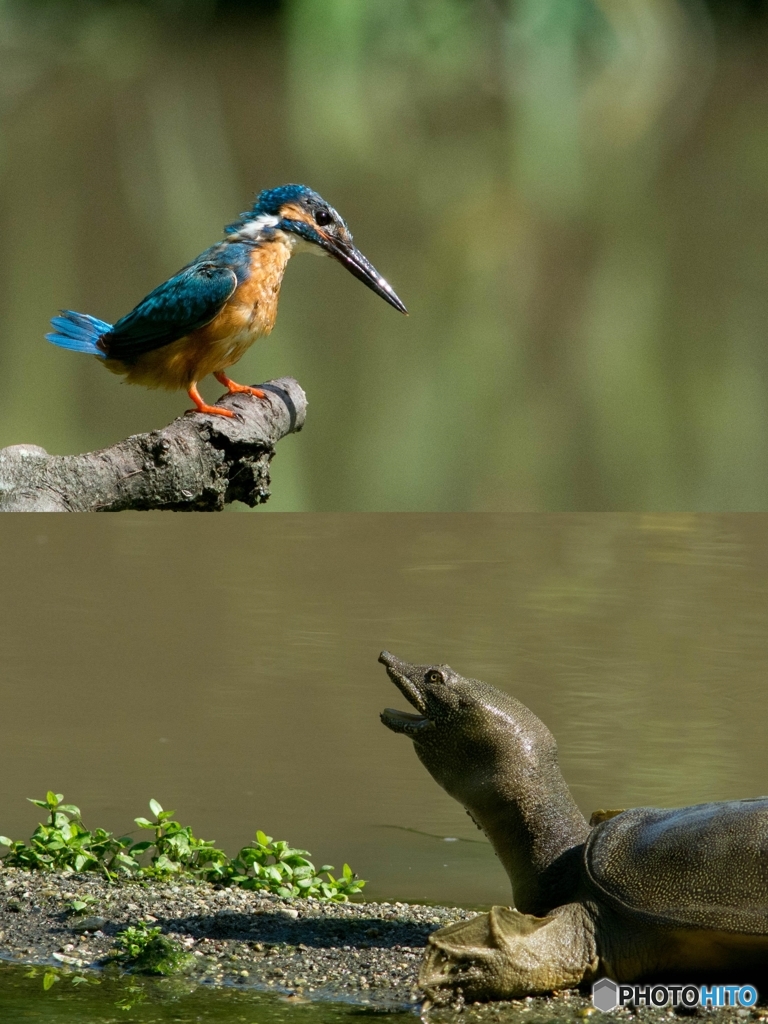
(148, 951)
(52, 975)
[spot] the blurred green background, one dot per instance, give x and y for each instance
(571, 197)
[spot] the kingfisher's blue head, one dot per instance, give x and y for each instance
(304, 217)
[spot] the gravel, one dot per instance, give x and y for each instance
(364, 953)
(369, 952)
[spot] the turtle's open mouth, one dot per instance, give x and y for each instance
(404, 721)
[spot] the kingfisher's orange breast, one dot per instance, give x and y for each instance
(248, 314)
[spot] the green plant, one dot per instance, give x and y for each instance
(277, 867)
(53, 974)
(148, 951)
(134, 996)
(80, 904)
(175, 848)
(64, 844)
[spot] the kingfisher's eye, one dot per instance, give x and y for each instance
(323, 217)
(435, 677)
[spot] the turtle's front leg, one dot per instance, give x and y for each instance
(507, 955)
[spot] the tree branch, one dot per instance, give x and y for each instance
(198, 463)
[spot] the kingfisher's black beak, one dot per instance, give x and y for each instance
(351, 258)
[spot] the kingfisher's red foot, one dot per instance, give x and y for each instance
(214, 410)
(238, 389)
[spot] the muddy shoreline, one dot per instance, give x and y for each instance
(365, 953)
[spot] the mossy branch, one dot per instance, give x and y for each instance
(198, 463)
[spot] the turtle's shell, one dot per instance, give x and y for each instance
(704, 866)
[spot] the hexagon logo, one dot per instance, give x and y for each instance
(605, 995)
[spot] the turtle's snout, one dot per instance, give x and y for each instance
(390, 661)
(401, 674)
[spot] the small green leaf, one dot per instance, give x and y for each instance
(5, 841)
(143, 823)
(155, 807)
(165, 864)
(49, 980)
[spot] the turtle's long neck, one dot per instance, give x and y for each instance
(500, 761)
(536, 830)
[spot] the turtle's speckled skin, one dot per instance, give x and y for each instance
(647, 894)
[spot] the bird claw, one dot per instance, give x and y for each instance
(241, 389)
(238, 389)
(213, 410)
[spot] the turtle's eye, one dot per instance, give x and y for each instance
(433, 676)
(323, 217)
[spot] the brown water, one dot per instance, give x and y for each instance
(153, 1001)
(239, 684)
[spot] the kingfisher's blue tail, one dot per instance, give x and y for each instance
(79, 332)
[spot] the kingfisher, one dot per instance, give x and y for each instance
(202, 320)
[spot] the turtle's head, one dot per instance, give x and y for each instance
(494, 756)
(478, 743)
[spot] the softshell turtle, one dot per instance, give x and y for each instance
(647, 894)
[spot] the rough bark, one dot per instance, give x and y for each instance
(198, 463)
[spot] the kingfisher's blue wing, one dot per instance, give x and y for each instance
(190, 299)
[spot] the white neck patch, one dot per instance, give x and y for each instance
(254, 228)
